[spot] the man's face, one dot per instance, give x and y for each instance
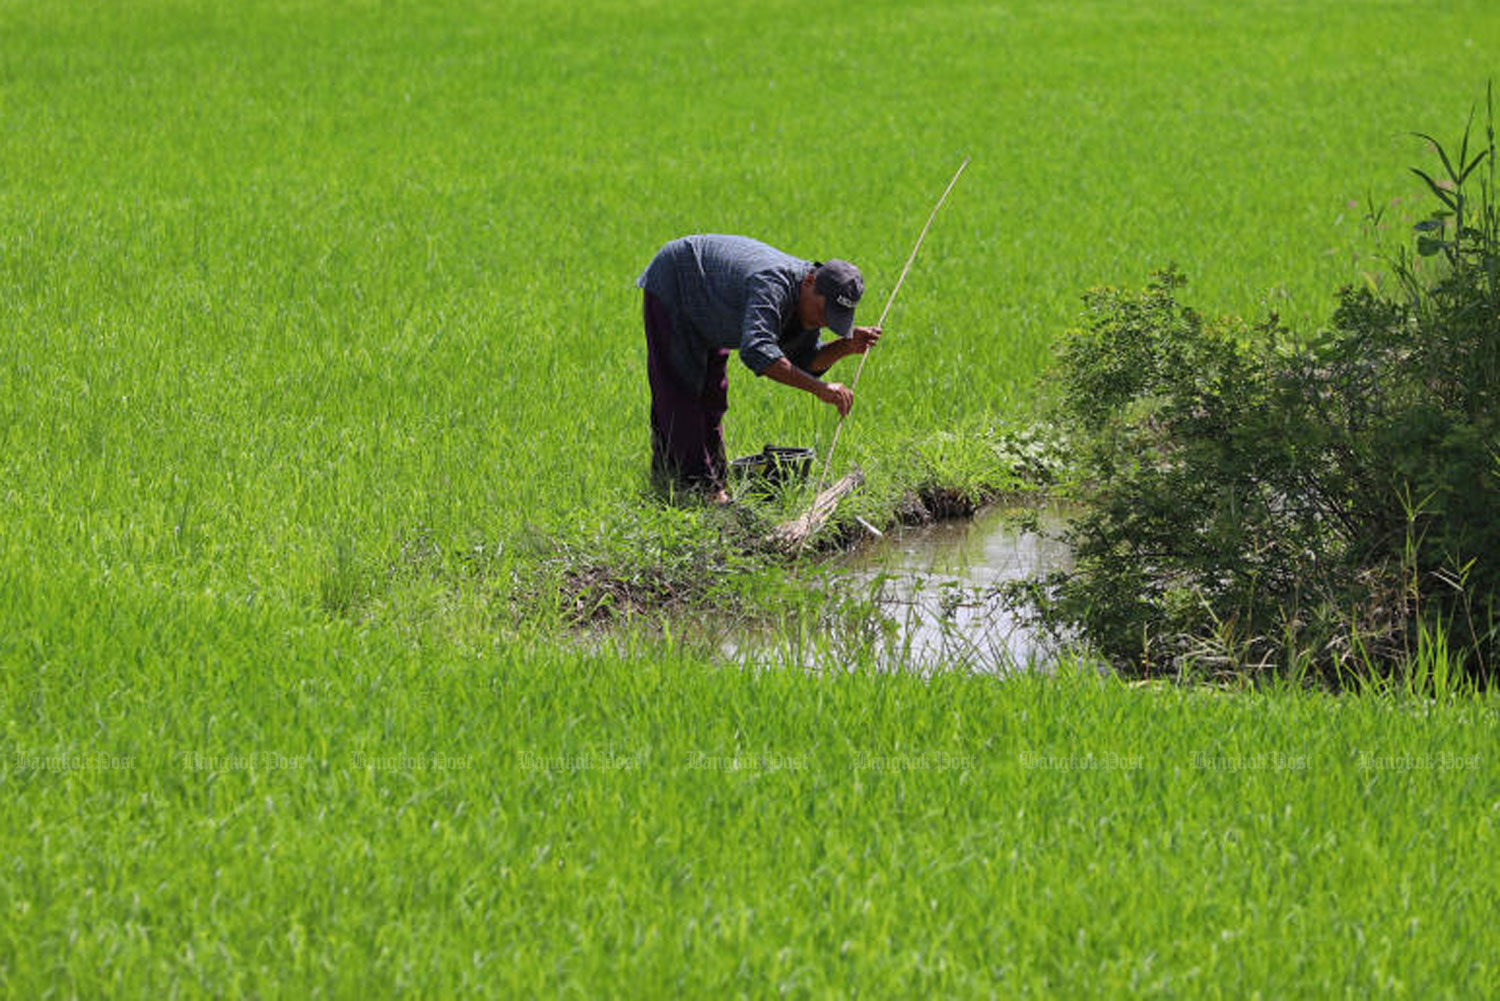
(811, 307)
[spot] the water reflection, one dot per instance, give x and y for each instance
(934, 591)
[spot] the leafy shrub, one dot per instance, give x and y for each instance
(1255, 501)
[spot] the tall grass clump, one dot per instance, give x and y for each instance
(1262, 501)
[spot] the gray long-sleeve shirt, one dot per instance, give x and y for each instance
(726, 293)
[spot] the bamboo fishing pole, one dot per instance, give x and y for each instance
(828, 463)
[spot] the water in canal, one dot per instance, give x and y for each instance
(934, 597)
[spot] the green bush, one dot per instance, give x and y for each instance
(1255, 501)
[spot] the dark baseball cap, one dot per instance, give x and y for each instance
(842, 285)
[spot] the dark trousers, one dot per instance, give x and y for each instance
(687, 434)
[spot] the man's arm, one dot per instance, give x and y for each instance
(843, 347)
(832, 393)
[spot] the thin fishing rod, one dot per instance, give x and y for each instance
(828, 463)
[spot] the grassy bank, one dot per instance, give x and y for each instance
(252, 811)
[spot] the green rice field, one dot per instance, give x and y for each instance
(322, 373)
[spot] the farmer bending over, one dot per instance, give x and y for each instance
(707, 295)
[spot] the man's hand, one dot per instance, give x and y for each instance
(839, 396)
(861, 339)
(833, 393)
